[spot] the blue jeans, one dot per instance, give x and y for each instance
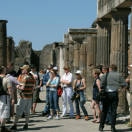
(47, 106)
(54, 101)
(81, 101)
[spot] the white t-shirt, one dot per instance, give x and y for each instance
(67, 77)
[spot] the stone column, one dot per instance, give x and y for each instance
(71, 55)
(76, 60)
(61, 60)
(119, 50)
(131, 75)
(3, 43)
(83, 59)
(66, 49)
(10, 50)
(103, 41)
(119, 39)
(90, 43)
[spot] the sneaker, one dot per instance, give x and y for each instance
(50, 117)
(77, 117)
(86, 118)
(62, 116)
(25, 127)
(14, 127)
(57, 118)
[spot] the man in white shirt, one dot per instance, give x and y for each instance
(66, 82)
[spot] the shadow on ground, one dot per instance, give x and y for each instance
(42, 127)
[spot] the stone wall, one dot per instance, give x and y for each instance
(23, 53)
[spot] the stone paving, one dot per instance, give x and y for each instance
(41, 124)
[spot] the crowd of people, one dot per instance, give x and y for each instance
(23, 88)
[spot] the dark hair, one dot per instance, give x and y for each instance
(99, 67)
(2, 68)
(106, 68)
(113, 67)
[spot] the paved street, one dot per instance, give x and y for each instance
(41, 124)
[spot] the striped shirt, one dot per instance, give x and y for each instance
(29, 83)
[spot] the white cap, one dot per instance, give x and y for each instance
(55, 68)
(78, 72)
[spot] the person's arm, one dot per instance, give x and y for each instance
(98, 84)
(84, 85)
(57, 83)
(40, 83)
(10, 91)
(48, 83)
(74, 82)
(102, 82)
(68, 82)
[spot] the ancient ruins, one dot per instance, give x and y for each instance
(105, 43)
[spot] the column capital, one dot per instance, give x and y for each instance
(120, 12)
(3, 21)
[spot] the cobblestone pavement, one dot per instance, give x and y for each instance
(41, 124)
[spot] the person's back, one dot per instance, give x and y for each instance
(114, 81)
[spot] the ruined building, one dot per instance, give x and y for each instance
(104, 44)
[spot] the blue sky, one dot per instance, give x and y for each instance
(45, 21)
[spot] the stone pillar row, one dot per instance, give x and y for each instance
(112, 46)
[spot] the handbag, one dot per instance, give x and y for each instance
(102, 95)
(59, 91)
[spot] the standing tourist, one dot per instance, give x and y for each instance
(96, 88)
(114, 82)
(5, 93)
(36, 90)
(46, 77)
(25, 101)
(66, 82)
(53, 84)
(79, 85)
(56, 70)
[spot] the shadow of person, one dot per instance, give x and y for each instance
(42, 127)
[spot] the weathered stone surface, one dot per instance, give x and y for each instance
(10, 50)
(23, 53)
(119, 40)
(105, 7)
(131, 75)
(3, 43)
(103, 42)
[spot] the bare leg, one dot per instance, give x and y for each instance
(94, 110)
(99, 112)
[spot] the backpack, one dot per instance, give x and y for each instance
(2, 90)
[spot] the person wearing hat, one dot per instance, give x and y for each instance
(53, 83)
(56, 70)
(46, 77)
(66, 82)
(79, 85)
(25, 101)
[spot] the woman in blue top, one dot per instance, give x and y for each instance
(96, 88)
(53, 84)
